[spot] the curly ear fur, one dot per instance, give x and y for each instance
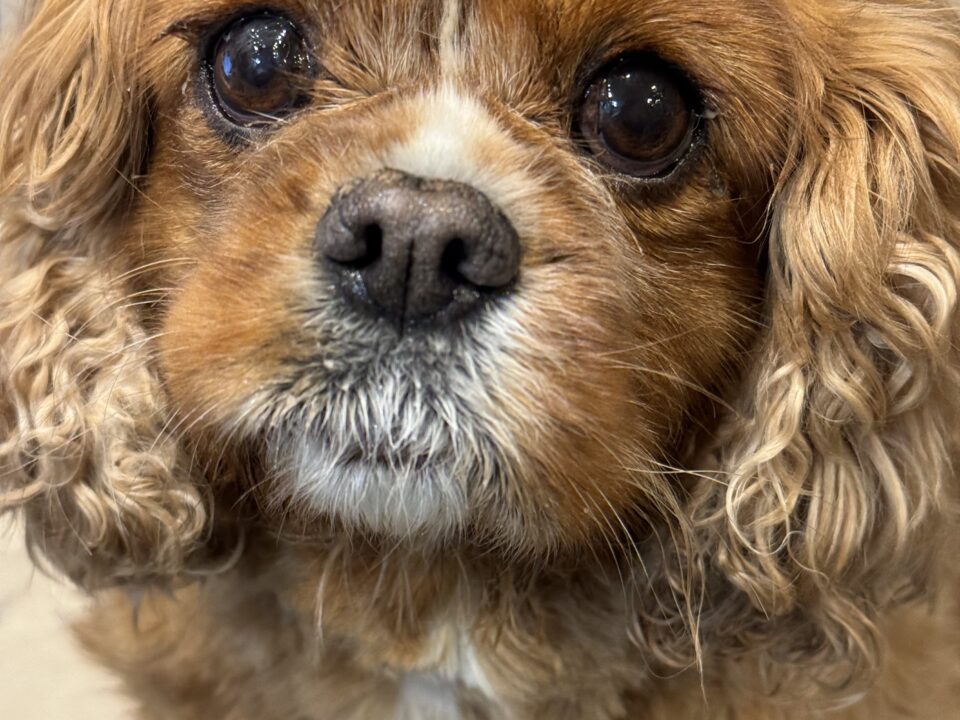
(834, 477)
(82, 448)
(72, 126)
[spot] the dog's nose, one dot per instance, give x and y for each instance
(417, 251)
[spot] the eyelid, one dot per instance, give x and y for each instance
(193, 28)
(203, 27)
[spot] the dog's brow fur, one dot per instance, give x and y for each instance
(697, 462)
(451, 29)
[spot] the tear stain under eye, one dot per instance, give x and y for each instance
(717, 184)
(715, 181)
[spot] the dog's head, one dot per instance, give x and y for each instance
(544, 276)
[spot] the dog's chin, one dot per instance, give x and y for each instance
(401, 451)
(392, 435)
(426, 496)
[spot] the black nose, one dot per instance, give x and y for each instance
(417, 251)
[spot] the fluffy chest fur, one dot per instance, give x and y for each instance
(404, 641)
(453, 673)
(236, 649)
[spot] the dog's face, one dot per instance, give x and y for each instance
(536, 274)
(460, 266)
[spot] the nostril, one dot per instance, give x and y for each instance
(362, 248)
(454, 255)
(482, 261)
(372, 235)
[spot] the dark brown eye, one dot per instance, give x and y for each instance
(259, 70)
(640, 116)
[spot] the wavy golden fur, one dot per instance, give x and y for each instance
(741, 505)
(82, 448)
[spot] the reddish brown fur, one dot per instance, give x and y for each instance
(722, 421)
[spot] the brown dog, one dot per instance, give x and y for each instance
(560, 359)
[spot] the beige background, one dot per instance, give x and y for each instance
(43, 675)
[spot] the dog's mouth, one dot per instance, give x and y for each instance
(402, 491)
(397, 441)
(396, 431)
(402, 458)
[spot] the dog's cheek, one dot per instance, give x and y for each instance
(220, 342)
(233, 325)
(619, 352)
(228, 233)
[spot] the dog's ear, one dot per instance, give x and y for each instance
(72, 126)
(82, 447)
(834, 475)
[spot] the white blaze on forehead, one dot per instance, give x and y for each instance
(450, 55)
(458, 139)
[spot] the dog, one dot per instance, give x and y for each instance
(482, 359)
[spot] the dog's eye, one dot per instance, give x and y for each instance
(259, 68)
(640, 116)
